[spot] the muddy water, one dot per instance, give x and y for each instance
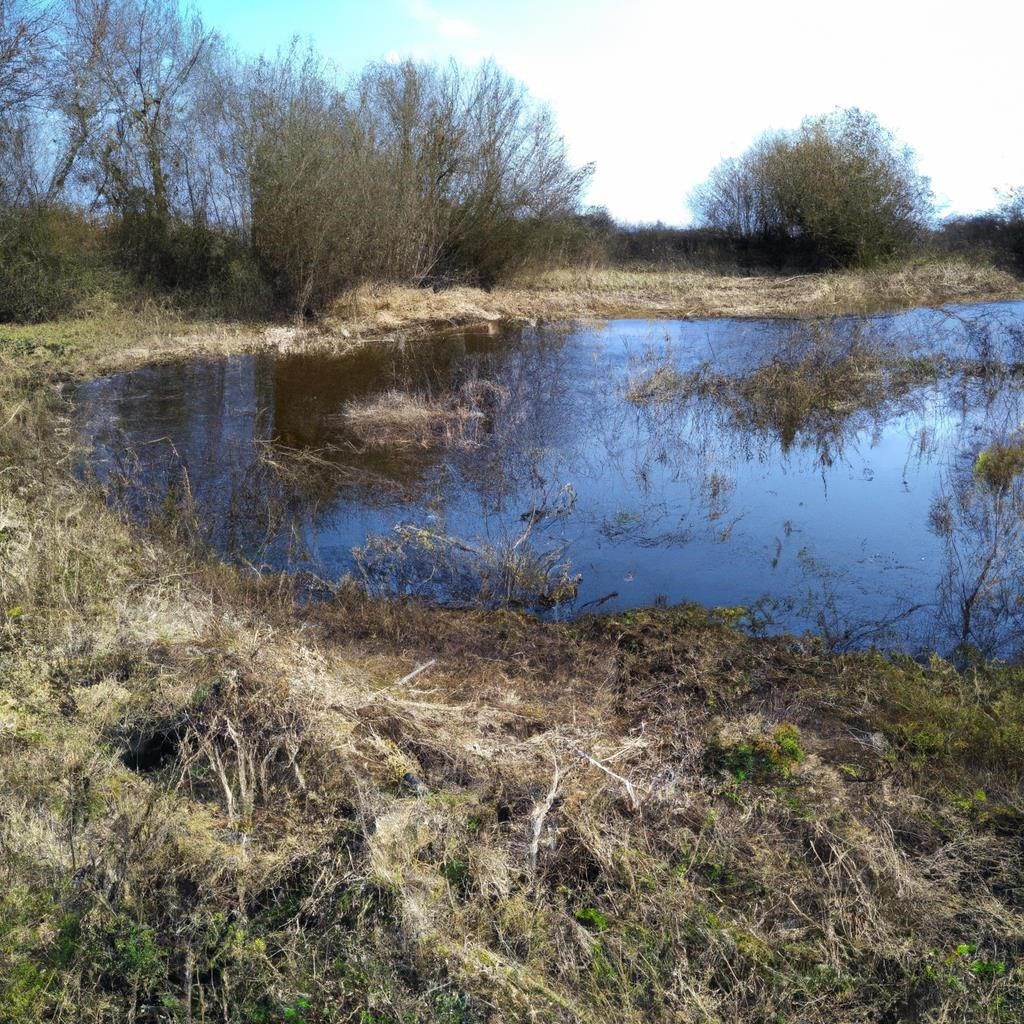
(541, 466)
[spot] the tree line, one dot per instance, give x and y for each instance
(133, 138)
(136, 146)
(839, 191)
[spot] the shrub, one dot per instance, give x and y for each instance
(415, 174)
(838, 192)
(50, 259)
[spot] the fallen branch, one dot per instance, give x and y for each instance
(618, 778)
(539, 813)
(416, 671)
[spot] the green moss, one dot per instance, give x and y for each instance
(736, 616)
(457, 875)
(455, 1008)
(999, 465)
(934, 716)
(137, 955)
(591, 918)
(23, 994)
(787, 740)
(759, 759)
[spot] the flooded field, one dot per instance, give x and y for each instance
(855, 478)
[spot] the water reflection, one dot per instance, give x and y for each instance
(979, 514)
(820, 475)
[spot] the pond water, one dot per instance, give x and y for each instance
(809, 476)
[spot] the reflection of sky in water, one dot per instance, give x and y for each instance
(675, 501)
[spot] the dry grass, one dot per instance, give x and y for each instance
(219, 804)
(397, 419)
(684, 293)
(110, 337)
(377, 308)
(656, 292)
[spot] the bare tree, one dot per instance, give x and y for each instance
(414, 172)
(24, 44)
(139, 59)
(197, 167)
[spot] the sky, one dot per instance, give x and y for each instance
(656, 92)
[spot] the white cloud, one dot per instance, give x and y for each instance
(444, 26)
(657, 92)
(457, 28)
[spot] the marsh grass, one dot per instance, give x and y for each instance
(665, 291)
(550, 822)
(398, 419)
(660, 290)
(814, 383)
(113, 332)
(524, 569)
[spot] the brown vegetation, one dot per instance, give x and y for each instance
(679, 293)
(169, 164)
(218, 804)
(396, 419)
(815, 383)
(683, 293)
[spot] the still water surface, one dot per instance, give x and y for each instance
(857, 516)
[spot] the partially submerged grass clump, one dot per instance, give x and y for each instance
(999, 465)
(398, 419)
(664, 384)
(814, 383)
(509, 572)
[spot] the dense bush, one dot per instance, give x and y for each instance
(997, 235)
(415, 173)
(229, 180)
(699, 247)
(50, 259)
(838, 192)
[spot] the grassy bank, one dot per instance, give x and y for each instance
(681, 293)
(218, 805)
(108, 336)
(668, 293)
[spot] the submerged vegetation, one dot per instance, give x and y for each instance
(515, 570)
(812, 385)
